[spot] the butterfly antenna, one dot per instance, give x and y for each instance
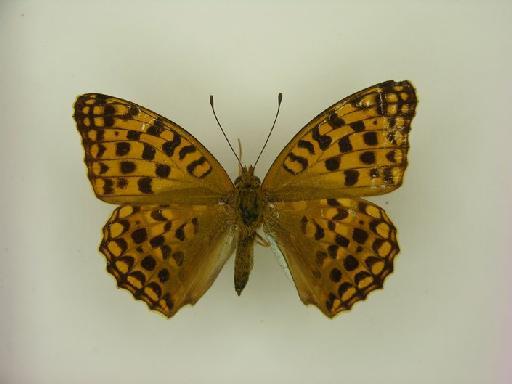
(240, 155)
(279, 100)
(222, 130)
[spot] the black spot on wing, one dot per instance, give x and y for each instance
(307, 145)
(298, 159)
(163, 275)
(139, 235)
(335, 121)
(333, 202)
(323, 140)
(342, 213)
(332, 163)
(342, 241)
(144, 185)
(170, 146)
(196, 163)
(319, 232)
(156, 128)
(186, 150)
(133, 135)
(157, 241)
(357, 126)
(180, 232)
(108, 186)
(149, 152)
(367, 157)
(350, 263)
(359, 235)
(127, 167)
(345, 145)
(157, 215)
(335, 275)
(162, 170)
(122, 148)
(351, 177)
(148, 263)
(103, 168)
(370, 138)
(179, 257)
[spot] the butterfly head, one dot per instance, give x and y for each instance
(247, 179)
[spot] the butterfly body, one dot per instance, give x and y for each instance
(180, 217)
(249, 204)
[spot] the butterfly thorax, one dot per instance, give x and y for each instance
(248, 199)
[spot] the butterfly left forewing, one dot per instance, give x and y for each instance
(168, 256)
(337, 250)
(136, 156)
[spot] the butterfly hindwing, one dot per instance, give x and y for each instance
(337, 250)
(168, 256)
(134, 155)
(356, 147)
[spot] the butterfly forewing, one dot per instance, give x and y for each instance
(337, 250)
(167, 256)
(134, 155)
(356, 147)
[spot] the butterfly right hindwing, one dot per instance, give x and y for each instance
(337, 250)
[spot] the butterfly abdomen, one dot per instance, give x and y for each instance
(249, 206)
(243, 261)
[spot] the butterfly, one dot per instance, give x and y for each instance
(180, 217)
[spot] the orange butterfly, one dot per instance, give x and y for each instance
(180, 216)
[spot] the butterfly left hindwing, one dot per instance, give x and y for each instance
(168, 256)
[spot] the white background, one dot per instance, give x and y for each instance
(445, 313)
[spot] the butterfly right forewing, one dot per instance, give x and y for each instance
(356, 147)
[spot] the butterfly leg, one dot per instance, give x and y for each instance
(260, 240)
